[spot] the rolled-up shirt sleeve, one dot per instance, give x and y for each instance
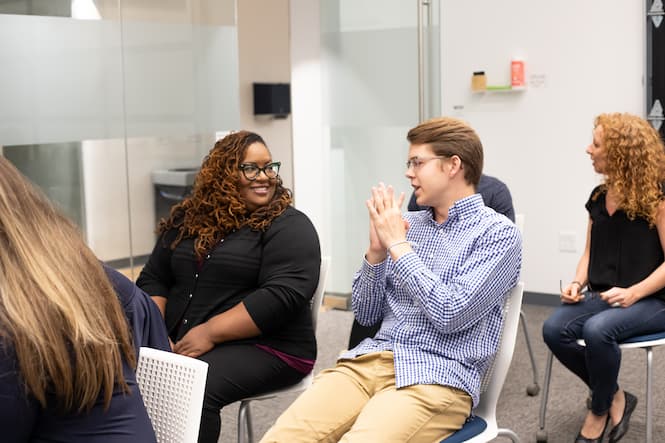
(289, 272)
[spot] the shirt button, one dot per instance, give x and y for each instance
(184, 322)
(207, 256)
(190, 295)
(196, 275)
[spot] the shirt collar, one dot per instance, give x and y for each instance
(463, 208)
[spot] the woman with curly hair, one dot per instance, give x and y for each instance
(621, 267)
(233, 272)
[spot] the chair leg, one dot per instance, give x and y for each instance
(245, 432)
(649, 395)
(541, 436)
(241, 423)
(531, 390)
(250, 429)
(502, 432)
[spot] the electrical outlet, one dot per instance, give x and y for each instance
(567, 241)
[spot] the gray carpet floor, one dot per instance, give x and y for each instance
(516, 410)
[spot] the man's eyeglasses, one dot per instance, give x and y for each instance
(417, 162)
(251, 171)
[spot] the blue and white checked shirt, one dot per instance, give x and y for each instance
(441, 305)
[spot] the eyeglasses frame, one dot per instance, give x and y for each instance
(421, 161)
(242, 167)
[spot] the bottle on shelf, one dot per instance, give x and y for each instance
(517, 79)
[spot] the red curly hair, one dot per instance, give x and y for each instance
(635, 164)
(214, 208)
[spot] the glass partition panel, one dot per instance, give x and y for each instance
(61, 87)
(60, 80)
(62, 184)
(370, 78)
(51, 8)
(98, 95)
(181, 75)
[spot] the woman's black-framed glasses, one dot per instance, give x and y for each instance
(251, 171)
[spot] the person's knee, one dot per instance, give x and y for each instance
(551, 332)
(594, 331)
(211, 403)
(219, 392)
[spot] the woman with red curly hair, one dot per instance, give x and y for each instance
(622, 269)
(233, 272)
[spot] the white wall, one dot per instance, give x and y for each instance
(582, 58)
(310, 152)
(263, 57)
(367, 15)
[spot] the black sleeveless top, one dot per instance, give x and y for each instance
(623, 252)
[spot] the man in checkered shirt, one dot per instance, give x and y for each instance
(436, 280)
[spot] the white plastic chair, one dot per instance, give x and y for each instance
(245, 431)
(172, 387)
(646, 342)
(482, 425)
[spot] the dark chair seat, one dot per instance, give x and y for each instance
(474, 426)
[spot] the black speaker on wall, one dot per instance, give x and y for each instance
(272, 99)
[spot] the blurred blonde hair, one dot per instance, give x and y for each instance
(58, 310)
(635, 169)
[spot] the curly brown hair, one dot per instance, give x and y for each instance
(214, 208)
(635, 169)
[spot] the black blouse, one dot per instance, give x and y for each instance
(274, 273)
(623, 252)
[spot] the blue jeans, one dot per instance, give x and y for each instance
(601, 327)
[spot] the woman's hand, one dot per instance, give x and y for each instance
(619, 297)
(196, 342)
(571, 293)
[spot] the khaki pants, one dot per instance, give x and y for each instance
(356, 401)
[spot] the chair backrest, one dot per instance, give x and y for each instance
(172, 387)
(317, 299)
(492, 382)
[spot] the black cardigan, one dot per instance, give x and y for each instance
(274, 273)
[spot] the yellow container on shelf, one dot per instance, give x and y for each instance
(478, 81)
